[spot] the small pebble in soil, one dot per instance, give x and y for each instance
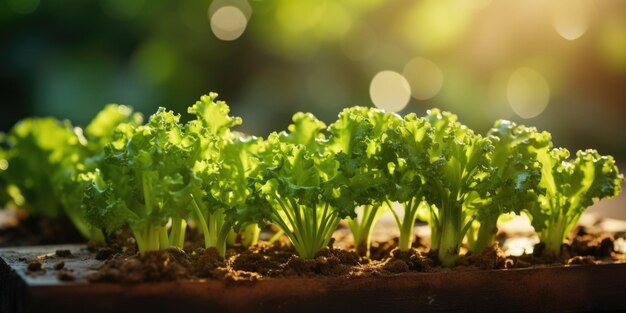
(65, 275)
(103, 254)
(35, 266)
(59, 265)
(63, 253)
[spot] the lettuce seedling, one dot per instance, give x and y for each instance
(405, 151)
(355, 141)
(37, 149)
(306, 193)
(69, 181)
(145, 181)
(570, 187)
(515, 182)
(459, 173)
(45, 158)
(223, 167)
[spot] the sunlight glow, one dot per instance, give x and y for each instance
(424, 77)
(390, 91)
(571, 18)
(528, 92)
(228, 23)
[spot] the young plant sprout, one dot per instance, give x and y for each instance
(570, 187)
(303, 186)
(515, 182)
(405, 151)
(144, 182)
(459, 174)
(355, 140)
(46, 159)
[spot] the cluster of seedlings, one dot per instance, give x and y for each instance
(155, 178)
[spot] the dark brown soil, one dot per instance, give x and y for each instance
(32, 231)
(124, 264)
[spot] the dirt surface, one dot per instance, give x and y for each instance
(123, 264)
(32, 231)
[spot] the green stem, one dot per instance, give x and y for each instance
(164, 242)
(554, 235)
(220, 241)
(276, 236)
(148, 238)
(251, 235)
(308, 234)
(451, 235)
(177, 233)
(407, 225)
(435, 233)
(147, 192)
(362, 230)
(231, 238)
(486, 235)
(201, 221)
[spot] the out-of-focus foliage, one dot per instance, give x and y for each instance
(483, 59)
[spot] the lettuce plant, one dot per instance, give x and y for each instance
(355, 141)
(46, 158)
(570, 187)
(405, 151)
(143, 181)
(303, 186)
(515, 180)
(459, 173)
(119, 172)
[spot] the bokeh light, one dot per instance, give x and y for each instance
(424, 77)
(528, 92)
(571, 18)
(228, 23)
(390, 91)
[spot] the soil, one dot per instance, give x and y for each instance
(33, 231)
(123, 263)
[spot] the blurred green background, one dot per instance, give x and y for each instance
(559, 65)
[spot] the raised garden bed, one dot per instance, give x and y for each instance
(57, 279)
(578, 288)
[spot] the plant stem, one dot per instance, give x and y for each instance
(407, 223)
(177, 234)
(251, 235)
(486, 235)
(201, 221)
(362, 230)
(554, 235)
(164, 242)
(451, 235)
